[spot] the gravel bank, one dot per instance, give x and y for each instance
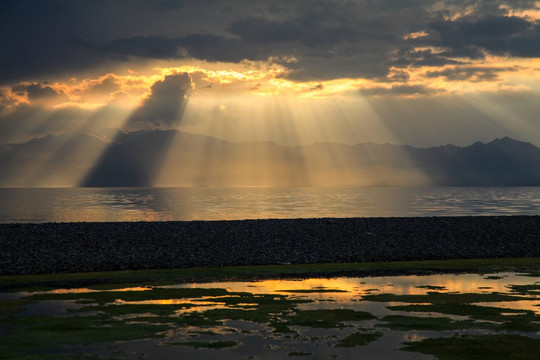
(83, 247)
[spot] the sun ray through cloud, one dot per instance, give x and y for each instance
(294, 74)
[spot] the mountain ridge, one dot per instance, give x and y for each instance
(178, 158)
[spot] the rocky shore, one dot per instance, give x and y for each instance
(83, 247)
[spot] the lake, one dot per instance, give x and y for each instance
(36, 205)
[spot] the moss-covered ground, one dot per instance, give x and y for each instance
(122, 279)
(480, 347)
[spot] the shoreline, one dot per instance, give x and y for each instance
(89, 247)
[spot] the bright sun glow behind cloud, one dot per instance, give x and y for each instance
(492, 74)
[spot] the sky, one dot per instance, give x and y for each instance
(416, 72)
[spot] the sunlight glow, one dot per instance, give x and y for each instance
(529, 14)
(416, 35)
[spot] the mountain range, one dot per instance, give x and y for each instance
(174, 158)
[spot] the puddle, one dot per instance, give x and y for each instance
(49, 308)
(321, 318)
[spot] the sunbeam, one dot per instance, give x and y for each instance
(138, 163)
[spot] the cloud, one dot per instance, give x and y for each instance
(422, 57)
(154, 47)
(167, 5)
(470, 73)
(163, 107)
(37, 91)
(328, 39)
(399, 90)
(502, 35)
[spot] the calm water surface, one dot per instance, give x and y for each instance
(156, 204)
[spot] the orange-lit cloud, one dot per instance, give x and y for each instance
(493, 73)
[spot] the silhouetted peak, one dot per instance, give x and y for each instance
(506, 141)
(477, 144)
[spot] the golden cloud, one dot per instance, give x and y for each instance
(265, 79)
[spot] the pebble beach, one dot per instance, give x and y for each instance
(86, 247)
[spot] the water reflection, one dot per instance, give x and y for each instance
(274, 318)
(160, 204)
(352, 288)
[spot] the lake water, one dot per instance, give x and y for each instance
(37, 205)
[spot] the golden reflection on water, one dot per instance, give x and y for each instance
(343, 287)
(342, 291)
(85, 290)
(347, 292)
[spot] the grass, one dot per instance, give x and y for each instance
(327, 318)
(119, 279)
(33, 335)
(517, 320)
(206, 344)
(493, 347)
(443, 298)
(405, 323)
(533, 289)
(299, 353)
(487, 313)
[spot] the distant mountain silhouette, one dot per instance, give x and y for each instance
(176, 158)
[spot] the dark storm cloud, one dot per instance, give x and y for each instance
(328, 38)
(36, 91)
(199, 46)
(418, 58)
(495, 34)
(331, 39)
(490, 7)
(154, 47)
(217, 48)
(473, 74)
(305, 30)
(35, 39)
(163, 107)
(168, 4)
(46, 39)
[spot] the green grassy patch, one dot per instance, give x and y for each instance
(299, 353)
(10, 307)
(119, 279)
(206, 344)
(326, 318)
(529, 290)
(33, 335)
(359, 339)
(488, 313)
(401, 322)
(269, 302)
(443, 298)
(493, 347)
(518, 320)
